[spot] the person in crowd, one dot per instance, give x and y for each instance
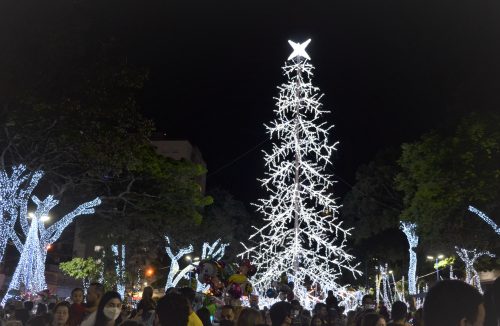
(41, 309)
(50, 307)
(109, 309)
(38, 321)
(77, 309)
(453, 303)
(190, 295)
(61, 314)
(316, 321)
(492, 304)
(21, 313)
(94, 294)
(227, 313)
(418, 318)
(399, 313)
(351, 318)
(280, 314)
(373, 319)
(298, 319)
(173, 310)
(250, 317)
(384, 312)
(331, 301)
(367, 306)
(146, 307)
(321, 311)
(204, 316)
(28, 305)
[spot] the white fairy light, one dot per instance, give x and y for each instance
(119, 268)
(485, 218)
(213, 251)
(174, 264)
(30, 271)
(469, 257)
(409, 229)
(15, 190)
(313, 250)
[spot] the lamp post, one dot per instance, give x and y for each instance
(438, 258)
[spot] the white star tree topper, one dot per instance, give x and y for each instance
(302, 236)
(299, 49)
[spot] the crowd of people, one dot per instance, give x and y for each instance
(448, 303)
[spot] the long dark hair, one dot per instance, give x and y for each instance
(100, 319)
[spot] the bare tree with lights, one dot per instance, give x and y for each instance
(302, 236)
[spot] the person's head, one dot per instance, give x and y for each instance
(373, 319)
(28, 305)
(204, 315)
(330, 293)
(189, 294)
(399, 311)
(109, 308)
(492, 304)
(38, 321)
(77, 295)
(316, 321)
(147, 293)
(368, 303)
(94, 294)
(280, 313)
(321, 310)
(61, 314)
(227, 313)
(41, 309)
(173, 310)
(250, 317)
(453, 303)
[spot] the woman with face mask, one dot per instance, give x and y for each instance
(109, 309)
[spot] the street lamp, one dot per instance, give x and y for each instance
(438, 258)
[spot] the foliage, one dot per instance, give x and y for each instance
(82, 269)
(444, 173)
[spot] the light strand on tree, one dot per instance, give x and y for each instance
(174, 263)
(30, 271)
(214, 251)
(15, 191)
(409, 229)
(469, 257)
(485, 218)
(119, 268)
(313, 250)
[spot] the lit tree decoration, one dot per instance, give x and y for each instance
(485, 218)
(119, 267)
(409, 230)
(300, 194)
(469, 257)
(15, 191)
(386, 286)
(30, 270)
(213, 251)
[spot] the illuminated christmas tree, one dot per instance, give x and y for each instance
(302, 236)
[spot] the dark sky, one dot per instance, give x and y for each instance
(390, 70)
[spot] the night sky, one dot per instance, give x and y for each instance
(390, 70)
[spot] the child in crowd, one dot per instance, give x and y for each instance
(77, 309)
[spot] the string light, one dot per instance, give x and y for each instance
(30, 271)
(313, 250)
(409, 229)
(174, 263)
(119, 268)
(15, 190)
(485, 218)
(469, 257)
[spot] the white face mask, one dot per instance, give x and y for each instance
(112, 312)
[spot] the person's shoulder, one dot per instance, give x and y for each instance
(90, 320)
(194, 320)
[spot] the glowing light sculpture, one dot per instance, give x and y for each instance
(469, 257)
(30, 270)
(174, 276)
(485, 218)
(409, 229)
(15, 190)
(312, 251)
(119, 267)
(213, 251)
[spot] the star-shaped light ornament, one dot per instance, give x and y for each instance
(299, 49)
